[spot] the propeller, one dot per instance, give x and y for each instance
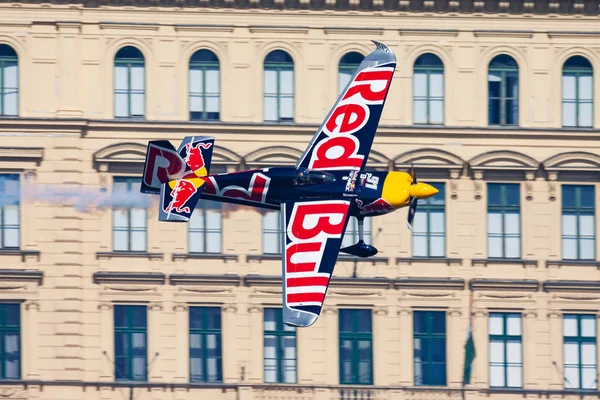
(412, 209)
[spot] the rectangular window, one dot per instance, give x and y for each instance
(351, 234)
(9, 211)
(10, 341)
(503, 92)
(429, 225)
(579, 352)
(504, 220)
(280, 348)
(205, 344)
(129, 89)
(9, 86)
(272, 232)
(430, 347)
(578, 97)
(279, 93)
(356, 347)
(506, 355)
(129, 224)
(428, 99)
(578, 222)
(206, 228)
(204, 91)
(130, 343)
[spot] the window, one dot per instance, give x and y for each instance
(9, 81)
(272, 232)
(280, 348)
(504, 220)
(578, 226)
(430, 348)
(129, 224)
(428, 90)
(10, 341)
(205, 344)
(356, 347)
(503, 91)
(580, 357)
(348, 65)
(206, 228)
(506, 359)
(351, 234)
(204, 86)
(429, 225)
(130, 343)
(577, 92)
(279, 87)
(129, 83)
(9, 211)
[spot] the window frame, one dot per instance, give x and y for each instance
(577, 73)
(3, 225)
(579, 340)
(429, 335)
(578, 211)
(503, 98)
(278, 67)
(4, 329)
(204, 230)
(354, 337)
(4, 60)
(428, 70)
(203, 333)
(426, 209)
(203, 66)
(280, 334)
(504, 338)
(129, 62)
(504, 209)
(129, 180)
(129, 330)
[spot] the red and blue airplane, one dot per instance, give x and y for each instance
(328, 185)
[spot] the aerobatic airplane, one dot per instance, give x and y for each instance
(316, 197)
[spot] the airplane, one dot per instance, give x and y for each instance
(316, 197)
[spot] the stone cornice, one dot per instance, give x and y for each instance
(571, 286)
(156, 278)
(429, 283)
(529, 285)
(198, 279)
(21, 275)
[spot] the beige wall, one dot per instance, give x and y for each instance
(65, 133)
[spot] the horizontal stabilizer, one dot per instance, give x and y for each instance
(179, 198)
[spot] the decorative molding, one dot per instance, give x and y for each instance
(416, 260)
(203, 28)
(579, 160)
(180, 307)
(573, 263)
(429, 32)
(105, 306)
(528, 285)
(454, 312)
(503, 33)
(205, 279)
(128, 254)
(571, 286)
(277, 29)
(22, 157)
(21, 275)
(515, 261)
(427, 294)
(429, 283)
(129, 26)
(255, 308)
(504, 296)
(504, 160)
(230, 308)
(155, 307)
(204, 256)
(104, 277)
(352, 31)
(127, 156)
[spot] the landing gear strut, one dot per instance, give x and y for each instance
(360, 249)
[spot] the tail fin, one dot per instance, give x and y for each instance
(177, 175)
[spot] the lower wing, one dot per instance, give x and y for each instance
(311, 240)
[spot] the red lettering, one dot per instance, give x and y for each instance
(254, 193)
(308, 281)
(305, 297)
(162, 172)
(324, 213)
(364, 88)
(295, 248)
(352, 117)
(326, 158)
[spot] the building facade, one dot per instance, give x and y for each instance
(494, 102)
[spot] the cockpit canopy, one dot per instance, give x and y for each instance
(305, 176)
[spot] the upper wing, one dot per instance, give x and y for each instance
(311, 241)
(344, 139)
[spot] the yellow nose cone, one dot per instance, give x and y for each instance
(422, 190)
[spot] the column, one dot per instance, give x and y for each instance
(480, 374)
(106, 341)
(407, 366)
(455, 340)
(230, 358)
(30, 349)
(555, 373)
(182, 342)
(154, 328)
(381, 374)
(529, 335)
(332, 343)
(255, 371)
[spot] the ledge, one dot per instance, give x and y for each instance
(573, 263)
(18, 252)
(570, 286)
(22, 157)
(428, 32)
(372, 260)
(515, 261)
(199, 279)
(531, 285)
(204, 256)
(503, 33)
(130, 25)
(129, 277)
(352, 30)
(263, 257)
(21, 275)
(203, 27)
(429, 283)
(277, 29)
(129, 254)
(412, 260)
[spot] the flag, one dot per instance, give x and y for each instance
(469, 348)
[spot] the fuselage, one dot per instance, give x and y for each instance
(371, 192)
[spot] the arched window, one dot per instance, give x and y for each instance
(204, 86)
(130, 83)
(428, 90)
(348, 65)
(279, 87)
(9, 81)
(577, 92)
(503, 91)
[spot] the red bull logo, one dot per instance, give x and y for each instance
(194, 158)
(379, 206)
(183, 191)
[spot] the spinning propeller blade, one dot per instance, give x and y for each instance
(412, 210)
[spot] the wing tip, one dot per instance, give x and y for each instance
(298, 318)
(383, 52)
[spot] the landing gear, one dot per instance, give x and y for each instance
(360, 249)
